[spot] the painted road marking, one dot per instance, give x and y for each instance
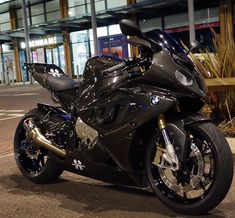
(6, 155)
(22, 94)
(9, 118)
(12, 111)
(10, 114)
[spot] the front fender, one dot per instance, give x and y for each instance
(177, 131)
(196, 118)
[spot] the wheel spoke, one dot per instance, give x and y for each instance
(185, 195)
(36, 166)
(208, 176)
(195, 178)
(201, 185)
(41, 159)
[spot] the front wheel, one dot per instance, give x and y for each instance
(203, 179)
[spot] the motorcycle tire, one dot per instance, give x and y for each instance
(216, 156)
(42, 171)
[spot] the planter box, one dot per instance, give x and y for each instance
(223, 84)
(231, 142)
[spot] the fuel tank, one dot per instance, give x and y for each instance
(102, 82)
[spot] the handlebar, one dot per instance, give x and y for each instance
(126, 63)
(115, 67)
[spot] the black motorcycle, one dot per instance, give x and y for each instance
(132, 122)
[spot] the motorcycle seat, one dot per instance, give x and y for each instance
(51, 77)
(60, 83)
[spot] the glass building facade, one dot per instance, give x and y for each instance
(82, 45)
(54, 23)
(81, 41)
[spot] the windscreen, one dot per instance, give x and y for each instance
(164, 40)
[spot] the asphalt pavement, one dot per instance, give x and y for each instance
(71, 195)
(15, 101)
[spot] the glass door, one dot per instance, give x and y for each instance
(49, 56)
(23, 70)
(35, 56)
(9, 68)
(61, 57)
(55, 56)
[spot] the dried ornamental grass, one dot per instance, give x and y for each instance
(220, 64)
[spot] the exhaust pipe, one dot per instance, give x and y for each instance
(34, 133)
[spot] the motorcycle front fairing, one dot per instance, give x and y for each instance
(166, 73)
(118, 116)
(172, 66)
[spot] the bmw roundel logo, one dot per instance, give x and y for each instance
(155, 100)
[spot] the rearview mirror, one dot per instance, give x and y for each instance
(129, 28)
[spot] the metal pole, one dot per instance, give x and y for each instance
(3, 67)
(191, 20)
(26, 34)
(23, 74)
(12, 76)
(94, 26)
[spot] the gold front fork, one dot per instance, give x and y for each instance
(166, 154)
(161, 122)
(160, 150)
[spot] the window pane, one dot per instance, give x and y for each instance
(5, 26)
(114, 4)
(79, 10)
(213, 14)
(53, 6)
(19, 14)
(38, 19)
(73, 3)
(2, 1)
(37, 9)
(53, 16)
(207, 15)
(176, 20)
(114, 29)
(99, 5)
(102, 31)
(150, 24)
(5, 17)
(91, 34)
(20, 23)
(80, 56)
(79, 36)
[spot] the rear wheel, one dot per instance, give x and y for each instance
(203, 179)
(35, 163)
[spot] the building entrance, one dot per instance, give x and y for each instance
(55, 56)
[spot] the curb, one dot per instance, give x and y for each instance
(231, 142)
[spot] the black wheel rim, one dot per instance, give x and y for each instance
(164, 185)
(30, 157)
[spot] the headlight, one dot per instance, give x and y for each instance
(186, 80)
